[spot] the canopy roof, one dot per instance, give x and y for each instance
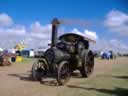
(77, 36)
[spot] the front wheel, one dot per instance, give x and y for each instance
(63, 73)
(39, 70)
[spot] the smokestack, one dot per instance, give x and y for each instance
(55, 23)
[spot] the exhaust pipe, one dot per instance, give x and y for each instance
(55, 23)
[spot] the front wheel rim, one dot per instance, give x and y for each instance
(63, 74)
(38, 70)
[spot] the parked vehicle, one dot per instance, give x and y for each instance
(5, 58)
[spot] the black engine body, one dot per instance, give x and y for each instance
(69, 47)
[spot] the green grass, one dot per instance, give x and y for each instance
(113, 84)
(26, 61)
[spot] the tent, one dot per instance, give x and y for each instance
(28, 53)
(106, 55)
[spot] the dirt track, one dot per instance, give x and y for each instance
(15, 80)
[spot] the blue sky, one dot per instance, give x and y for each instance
(25, 12)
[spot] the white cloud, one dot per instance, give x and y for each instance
(75, 30)
(37, 27)
(101, 44)
(91, 34)
(35, 36)
(115, 45)
(18, 30)
(5, 20)
(40, 31)
(118, 44)
(117, 21)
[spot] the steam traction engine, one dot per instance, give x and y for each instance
(67, 53)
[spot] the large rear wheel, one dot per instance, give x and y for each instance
(63, 73)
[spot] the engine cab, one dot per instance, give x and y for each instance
(72, 43)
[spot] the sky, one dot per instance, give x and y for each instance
(29, 21)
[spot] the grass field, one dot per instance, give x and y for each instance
(113, 83)
(110, 78)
